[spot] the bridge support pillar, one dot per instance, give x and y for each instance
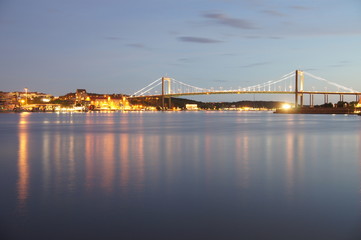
(325, 97)
(357, 98)
(341, 97)
(299, 82)
(312, 100)
(162, 93)
(296, 89)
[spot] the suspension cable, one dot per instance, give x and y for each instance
(331, 83)
(146, 86)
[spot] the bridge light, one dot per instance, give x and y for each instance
(286, 106)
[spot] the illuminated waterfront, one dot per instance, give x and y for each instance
(180, 175)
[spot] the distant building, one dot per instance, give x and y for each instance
(108, 102)
(11, 100)
(359, 104)
(31, 95)
(8, 101)
(80, 95)
(192, 107)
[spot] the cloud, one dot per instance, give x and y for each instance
(253, 37)
(263, 37)
(198, 40)
(228, 54)
(275, 37)
(255, 64)
(184, 60)
(274, 13)
(113, 38)
(298, 7)
(311, 69)
(336, 65)
(173, 32)
(136, 45)
(340, 64)
(223, 19)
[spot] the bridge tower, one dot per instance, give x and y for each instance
(299, 84)
(163, 91)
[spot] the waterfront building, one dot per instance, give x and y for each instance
(11, 100)
(8, 101)
(192, 107)
(359, 104)
(80, 95)
(108, 102)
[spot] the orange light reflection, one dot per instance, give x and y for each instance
(290, 181)
(243, 155)
(107, 146)
(139, 143)
(89, 161)
(124, 161)
(23, 162)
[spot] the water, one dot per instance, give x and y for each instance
(180, 175)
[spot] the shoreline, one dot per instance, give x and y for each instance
(316, 111)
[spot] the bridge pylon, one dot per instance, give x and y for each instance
(164, 79)
(299, 86)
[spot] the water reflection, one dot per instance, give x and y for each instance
(23, 162)
(57, 159)
(124, 161)
(46, 162)
(249, 171)
(89, 147)
(117, 160)
(358, 144)
(139, 141)
(113, 160)
(244, 167)
(71, 164)
(207, 156)
(106, 148)
(290, 181)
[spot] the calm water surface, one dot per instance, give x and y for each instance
(180, 175)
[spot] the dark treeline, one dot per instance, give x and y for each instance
(181, 103)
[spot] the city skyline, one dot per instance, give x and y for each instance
(121, 46)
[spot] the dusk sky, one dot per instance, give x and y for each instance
(121, 46)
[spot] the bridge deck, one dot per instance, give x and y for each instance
(251, 92)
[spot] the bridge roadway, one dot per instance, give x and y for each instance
(250, 92)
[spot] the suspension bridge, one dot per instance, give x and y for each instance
(297, 83)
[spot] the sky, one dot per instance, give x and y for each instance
(120, 46)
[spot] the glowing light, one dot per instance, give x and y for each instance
(286, 106)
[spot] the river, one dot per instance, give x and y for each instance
(180, 175)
